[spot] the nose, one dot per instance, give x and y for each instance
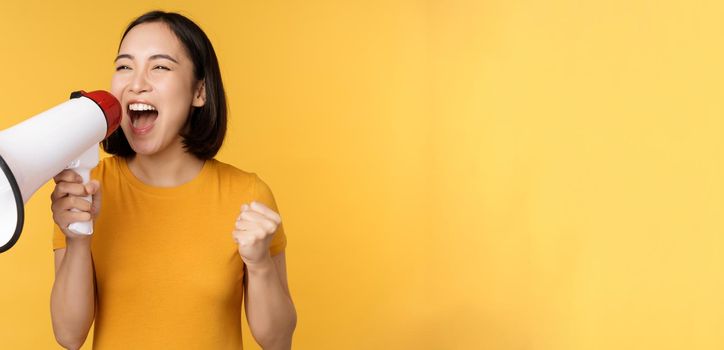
(139, 83)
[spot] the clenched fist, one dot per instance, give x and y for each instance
(254, 230)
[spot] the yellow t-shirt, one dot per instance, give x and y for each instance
(168, 272)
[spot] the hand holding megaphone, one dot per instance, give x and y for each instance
(34, 151)
(75, 203)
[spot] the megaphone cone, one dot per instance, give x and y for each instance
(32, 152)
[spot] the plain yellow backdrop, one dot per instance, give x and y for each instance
(451, 174)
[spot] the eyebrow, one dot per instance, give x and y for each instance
(153, 57)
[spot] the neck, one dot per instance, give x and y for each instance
(169, 168)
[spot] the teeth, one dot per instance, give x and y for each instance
(141, 107)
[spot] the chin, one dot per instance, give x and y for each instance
(144, 149)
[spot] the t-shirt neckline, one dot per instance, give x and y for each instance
(182, 189)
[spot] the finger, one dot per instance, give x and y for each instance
(248, 239)
(263, 221)
(56, 194)
(77, 216)
(69, 217)
(97, 194)
(266, 211)
(244, 207)
(251, 215)
(251, 229)
(59, 191)
(67, 175)
(239, 236)
(244, 241)
(92, 186)
(245, 225)
(70, 202)
(63, 189)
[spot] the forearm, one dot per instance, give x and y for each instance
(72, 300)
(269, 310)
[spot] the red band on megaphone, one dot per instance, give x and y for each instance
(110, 106)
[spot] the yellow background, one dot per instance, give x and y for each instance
(451, 174)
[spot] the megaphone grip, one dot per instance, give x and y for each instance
(83, 165)
(83, 227)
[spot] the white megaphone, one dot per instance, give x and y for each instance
(34, 151)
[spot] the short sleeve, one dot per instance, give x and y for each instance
(263, 194)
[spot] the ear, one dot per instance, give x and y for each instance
(199, 94)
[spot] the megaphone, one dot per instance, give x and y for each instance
(34, 151)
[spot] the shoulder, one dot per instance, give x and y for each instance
(110, 162)
(230, 171)
(230, 175)
(107, 165)
(240, 178)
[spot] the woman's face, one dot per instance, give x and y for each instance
(155, 84)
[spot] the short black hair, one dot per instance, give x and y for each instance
(205, 128)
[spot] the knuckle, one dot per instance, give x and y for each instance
(59, 177)
(61, 220)
(271, 226)
(60, 187)
(58, 204)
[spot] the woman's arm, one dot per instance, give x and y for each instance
(72, 301)
(269, 307)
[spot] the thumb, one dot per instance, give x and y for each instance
(92, 187)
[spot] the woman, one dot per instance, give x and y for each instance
(161, 270)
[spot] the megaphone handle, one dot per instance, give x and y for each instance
(83, 227)
(83, 165)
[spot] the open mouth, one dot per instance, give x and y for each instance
(142, 116)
